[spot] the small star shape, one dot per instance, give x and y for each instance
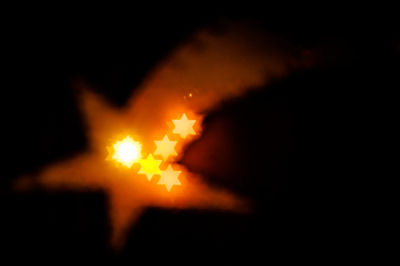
(165, 147)
(169, 178)
(184, 126)
(149, 167)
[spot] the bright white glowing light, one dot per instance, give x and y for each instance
(127, 151)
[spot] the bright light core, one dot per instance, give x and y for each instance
(127, 151)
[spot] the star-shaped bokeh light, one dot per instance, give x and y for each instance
(169, 178)
(184, 126)
(149, 166)
(165, 147)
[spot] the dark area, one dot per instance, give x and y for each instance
(298, 159)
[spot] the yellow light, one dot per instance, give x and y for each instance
(184, 126)
(169, 178)
(127, 151)
(149, 167)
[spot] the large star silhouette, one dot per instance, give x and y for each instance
(129, 191)
(208, 75)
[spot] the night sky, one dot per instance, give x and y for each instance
(300, 161)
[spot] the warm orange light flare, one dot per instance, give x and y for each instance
(169, 178)
(184, 126)
(127, 151)
(165, 147)
(149, 167)
(230, 64)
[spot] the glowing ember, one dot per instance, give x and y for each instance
(169, 178)
(127, 151)
(165, 147)
(184, 126)
(149, 167)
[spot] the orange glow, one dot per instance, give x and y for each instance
(184, 126)
(189, 80)
(169, 178)
(165, 147)
(127, 151)
(149, 167)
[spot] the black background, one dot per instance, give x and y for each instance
(305, 187)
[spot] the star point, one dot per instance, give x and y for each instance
(184, 126)
(149, 167)
(169, 178)
(165, 147)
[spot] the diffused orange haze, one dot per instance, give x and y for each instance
(207, 69)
